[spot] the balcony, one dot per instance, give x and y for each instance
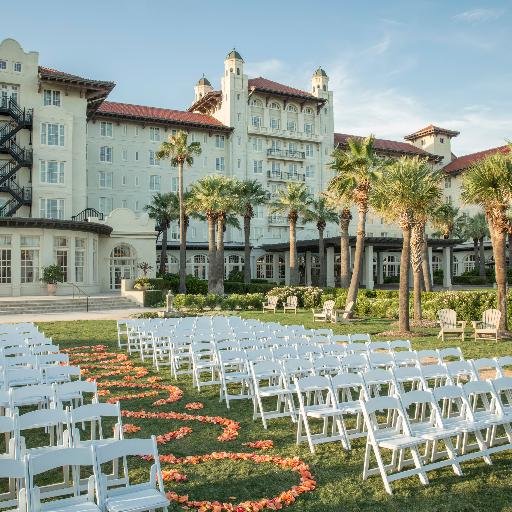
(285, 176)
(282, 221)
(284, 154)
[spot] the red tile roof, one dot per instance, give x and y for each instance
(263, 84)
(126, 110)
(385, 146)
(55, 74)
(463, 162)
(431, 130)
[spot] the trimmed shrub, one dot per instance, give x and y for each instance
(198, 302)
(153, 298)
(308, 296)
(233, 287)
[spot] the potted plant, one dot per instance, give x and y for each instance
(145, 267)
(51, 276)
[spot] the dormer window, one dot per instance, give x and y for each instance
(275, 106)
(256, 103)
(292, 108)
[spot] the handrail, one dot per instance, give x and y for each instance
(80, 291)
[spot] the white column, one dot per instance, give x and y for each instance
(287, 268)
(253, 267)
(380, 268)
(368, 267)
(447, 278)
(275, 267)
(329, 266)
(15, 264)
(430, 265)
(308, 268)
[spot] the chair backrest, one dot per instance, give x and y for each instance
(357, 362)
(272, 300)
(126, 448)
(427, 356)
(377, 345)
(447, 317)
(29, 395)
(292, 301)
(362, 337)
(98, 411)
(356, 348)
(491, 317)
(328, 306)
(376, 422)
(399, 345)
(57, 458)
(265, 369)
(65, 391)
(450, 354)
(340, 338)
(490, 368)
(41, 418)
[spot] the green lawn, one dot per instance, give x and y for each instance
(338, 474)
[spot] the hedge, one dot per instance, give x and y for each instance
(210, 301)
(153, 298)
(236, 287)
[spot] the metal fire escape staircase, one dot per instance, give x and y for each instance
(18, 157)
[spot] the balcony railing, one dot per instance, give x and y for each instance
(285, 176)
(84, 215)
(286, 154)
(278, 220)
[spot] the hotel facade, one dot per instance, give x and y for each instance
(76, 171)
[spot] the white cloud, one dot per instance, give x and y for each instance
(381, 47)
(478, 15)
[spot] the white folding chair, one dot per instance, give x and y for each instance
(365, 338)
(326, 365)
(434, 375)
(355, 363)
(428, 357)
(505, 365)
(450, 354)
(461, 371)
(234, 371)
(37, 394)
(146, 496)
(56, 373)
(204, 362)
(399, 345)
(14, 471)
(486, 368)
(381, 360)
(73, 393)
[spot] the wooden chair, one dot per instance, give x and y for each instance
(449, 324)
(488, 327)
(342, 314)
(291, 304)
(271, 304)
(325, 314)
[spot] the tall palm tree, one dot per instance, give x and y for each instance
(488, 183)
(321, 213)
(163, 209)
(180, 153)
(293, 201)
(475, 228)
(407, 185)
(344, 217)
(250, 193)
(357, 170)
(444, 220)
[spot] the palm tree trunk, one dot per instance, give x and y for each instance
(247, 249)
(344, 249)
(321, 259)
(358, 259)
(510, 250)
(417, 256)
(481, 257)
(500, 268)
(293, 253)
(425, 266)
(403, 300)
(163, 252)
(219, 257)
(212, 253)
(183, 233)
(476, 254)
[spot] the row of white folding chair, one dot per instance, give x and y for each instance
(475, 408)
(69, 495)
(33, 360)
(15, 376)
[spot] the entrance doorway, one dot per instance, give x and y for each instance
(122, 265)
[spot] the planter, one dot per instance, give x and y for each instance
(52, 288)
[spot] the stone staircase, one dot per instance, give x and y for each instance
(43, 305)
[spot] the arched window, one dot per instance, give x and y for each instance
(468, 263)
(274, 105)
(233, 262)
(292, 108)
(200, 266)
(265, 267)
(122, 265)
(308, 110)
(256, 103)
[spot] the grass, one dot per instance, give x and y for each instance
(338, 474)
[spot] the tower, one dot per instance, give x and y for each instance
(320, 83)
(202, 87)
(435, 140)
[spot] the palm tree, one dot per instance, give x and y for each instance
(475, 229)
(344, 216)
(444, 220)
(407, 187)
(250, 193)
(488, 183)
(180, 153)
(357, 170)
(293, 201)
(321, 213)
(163, 209)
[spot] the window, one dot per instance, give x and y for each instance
(274, 105)
(308, 110)
(275, 123)
(136, 130)
(258, 166)
(259, 212)
(257, 103)
(106, 154)
(124, 203)
(137, 206)
(276, 144)
(51, 208)
(276, 167)
(238, 163)
(5, 258)
(80, 246)
(292, 108)
(3, 65)
(292, 147)
(441, 140)
(51, 97)
(310, 171)
(52, 134)
(265, 267)
(422, 142)
(105, 205)
(154, 134)
(308, 128)
(293, 170)
(17, 67)
(137, 181)
(447, 182)
(309, 149)
(174, 232)
(153, 160)
(125, 155)
(105, 129)
(136, 156)
(29, 256)
(239, 116)
(200, 265)
(219, 141)
(205, 138)
(174, 184)
(60, 247)
(384, 234)
(468, 262)
(257, 144)
(123, 180)
(291, 125)
(256, 121)
(51, 171)
(125, 129)
(105, 179)
(219, 163)
(154, 183)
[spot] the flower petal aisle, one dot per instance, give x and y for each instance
(114, 371)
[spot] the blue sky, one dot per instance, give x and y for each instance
(394, 66)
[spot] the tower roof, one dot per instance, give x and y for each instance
(204, 81)
(431, 130)
(320, 72)
(233, 54)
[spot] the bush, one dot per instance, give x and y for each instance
(233, 287)
(211, 301)
(236, 276)
(143, 283)
(172, 282)
(153, 298)
(308, 296)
